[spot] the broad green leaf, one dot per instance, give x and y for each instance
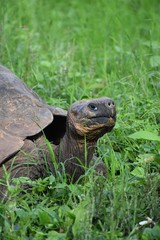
(47, 216)
(151, 233)
(44, 217)
(138, 172)
(150, 157)
(145, 135)
(53, 235)
(81, 212)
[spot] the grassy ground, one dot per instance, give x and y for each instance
(69, 50)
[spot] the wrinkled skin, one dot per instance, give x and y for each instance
(87, 120)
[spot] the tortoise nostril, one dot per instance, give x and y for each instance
(111, 104)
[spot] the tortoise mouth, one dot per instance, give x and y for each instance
(103, 120)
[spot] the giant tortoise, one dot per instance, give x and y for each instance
(27, 125)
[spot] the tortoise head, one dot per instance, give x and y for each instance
(92, 118)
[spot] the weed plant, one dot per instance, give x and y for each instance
(71, 50)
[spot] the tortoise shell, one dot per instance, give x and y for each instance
(24, 114)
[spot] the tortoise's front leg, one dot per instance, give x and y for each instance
(29, 162)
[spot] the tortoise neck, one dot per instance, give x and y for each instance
(76, 154)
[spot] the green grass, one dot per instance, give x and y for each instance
(70, 50)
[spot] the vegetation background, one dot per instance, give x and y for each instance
(70, 50)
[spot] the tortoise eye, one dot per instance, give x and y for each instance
(92, 107)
